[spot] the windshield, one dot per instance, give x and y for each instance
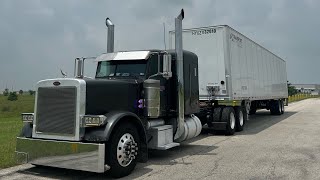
(121, 68)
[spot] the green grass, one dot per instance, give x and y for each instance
(10, 126)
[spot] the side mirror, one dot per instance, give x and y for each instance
(166, 66)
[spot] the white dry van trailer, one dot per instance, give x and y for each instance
(234, 71)
(150, 99)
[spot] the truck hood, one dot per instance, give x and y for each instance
(104, 95)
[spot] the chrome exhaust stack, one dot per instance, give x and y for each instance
(79, 67)
(79, 62)
(179, 68)
(110, 40)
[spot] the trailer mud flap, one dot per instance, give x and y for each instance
(219, 126)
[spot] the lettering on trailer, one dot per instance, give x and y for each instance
(204, 31)
(236, 39)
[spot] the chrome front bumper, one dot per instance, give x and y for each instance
(62, 154)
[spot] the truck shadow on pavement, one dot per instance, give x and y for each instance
(177, 155)
(263, 120)
(257, 123)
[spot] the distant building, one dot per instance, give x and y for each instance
(313, 89)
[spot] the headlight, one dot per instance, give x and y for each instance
(93, 120)
(27, 117)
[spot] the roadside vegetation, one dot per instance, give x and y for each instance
(11, 124)
(295, 95)
(299, 97)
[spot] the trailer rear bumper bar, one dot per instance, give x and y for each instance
(62, 154)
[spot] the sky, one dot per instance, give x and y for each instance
(40, 37)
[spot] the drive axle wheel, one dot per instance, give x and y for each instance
(229, 117)
(241, 115)
(122, 150)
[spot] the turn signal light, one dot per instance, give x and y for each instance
(93, 120)
(27, 117)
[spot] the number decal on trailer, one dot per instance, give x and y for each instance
(204, 31)
(236, 39)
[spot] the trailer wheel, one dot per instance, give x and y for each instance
(122, 150)
(275, 107)
(282, 106)
(253, 108)
(252, 111)
(229, 117)
(240, 114)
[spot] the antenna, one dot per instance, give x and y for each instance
(164, 36)
(63, 73)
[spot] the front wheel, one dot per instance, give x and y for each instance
(122, 150)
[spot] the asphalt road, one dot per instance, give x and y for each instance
(270, 147)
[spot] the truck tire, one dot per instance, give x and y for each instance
(122, 150)
(229, 117)
(215, 116)
(275, 107)
(282, 106)
(253, 108)
(240, 115)
(252, 111)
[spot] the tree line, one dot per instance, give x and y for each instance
(13, 96)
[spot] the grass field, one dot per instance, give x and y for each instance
(10, 125)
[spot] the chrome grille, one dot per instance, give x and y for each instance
(56, 110)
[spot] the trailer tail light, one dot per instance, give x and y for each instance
(27, 117)
(93, 120)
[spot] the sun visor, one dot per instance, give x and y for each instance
(129, 55)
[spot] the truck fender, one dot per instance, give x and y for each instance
(102, 134)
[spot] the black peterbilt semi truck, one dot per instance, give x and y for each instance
(138, 100)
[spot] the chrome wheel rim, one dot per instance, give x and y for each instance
(241, 118)
(127, 150)
(232, 120)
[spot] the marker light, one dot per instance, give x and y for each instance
(140, 103)
(27, 117)
(93, 120)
